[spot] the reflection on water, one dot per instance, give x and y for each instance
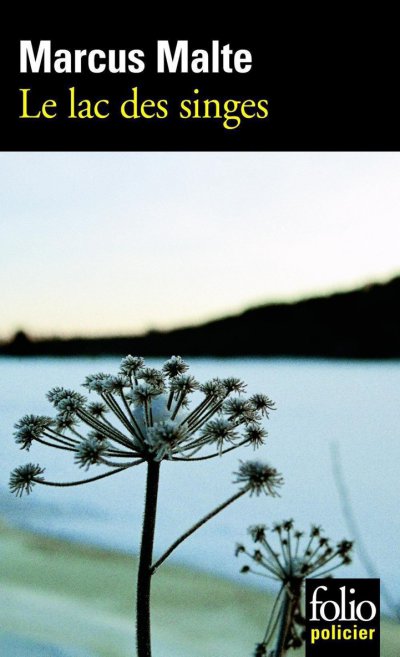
(352, 404)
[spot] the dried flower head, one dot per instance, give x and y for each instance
(98, 409)
(175, 366)
(165, 436)
(24, 477)
(91, 451)
(259, 478)
(220, 431)
(290, 562)
(130, 365)
(261, 650)
(146, 414)
(256, 435)
(30, 428)
(263, 404)
(257, 532)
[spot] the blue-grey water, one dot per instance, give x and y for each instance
(319, 403)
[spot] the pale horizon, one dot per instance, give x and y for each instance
(121, 243)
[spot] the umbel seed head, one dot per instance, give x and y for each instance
(296, 556)
(144, 414)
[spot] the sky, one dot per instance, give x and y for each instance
(119, 243)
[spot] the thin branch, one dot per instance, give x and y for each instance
(194, 528)
(133, 419)
(44, 442)
(273, 618)
(82, 481)
(117, 410)
(210, 456)
(106, 429)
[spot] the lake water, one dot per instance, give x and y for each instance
(319, 403)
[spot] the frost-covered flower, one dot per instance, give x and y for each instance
(175, 366)
(91, 451)
(259, 477)
(24, 478)
(220, 431)
(130, 365)
(144, 414)
(98, 409)
(262, 403)
(240, 410)
(256, 434)
(30, 428)
(295, 558)
(164, 437)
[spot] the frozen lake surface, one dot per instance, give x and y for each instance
(319, 403)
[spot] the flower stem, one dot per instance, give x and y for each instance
(143, 638)
(286, 611)
(194, 528)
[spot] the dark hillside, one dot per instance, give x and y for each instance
(363, 323)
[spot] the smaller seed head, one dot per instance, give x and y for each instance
(175, 366)
(22, 479)
(259, 478)
(130, 365)
(90, 451)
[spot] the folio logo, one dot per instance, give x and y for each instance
(342, 617)
(338, 612)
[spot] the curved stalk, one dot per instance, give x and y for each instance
(195, 527)
(64, 484)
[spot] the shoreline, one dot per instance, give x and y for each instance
(68, 594)
(80, 599)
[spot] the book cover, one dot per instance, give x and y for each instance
(199, 345)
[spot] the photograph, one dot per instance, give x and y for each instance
(199, 357)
